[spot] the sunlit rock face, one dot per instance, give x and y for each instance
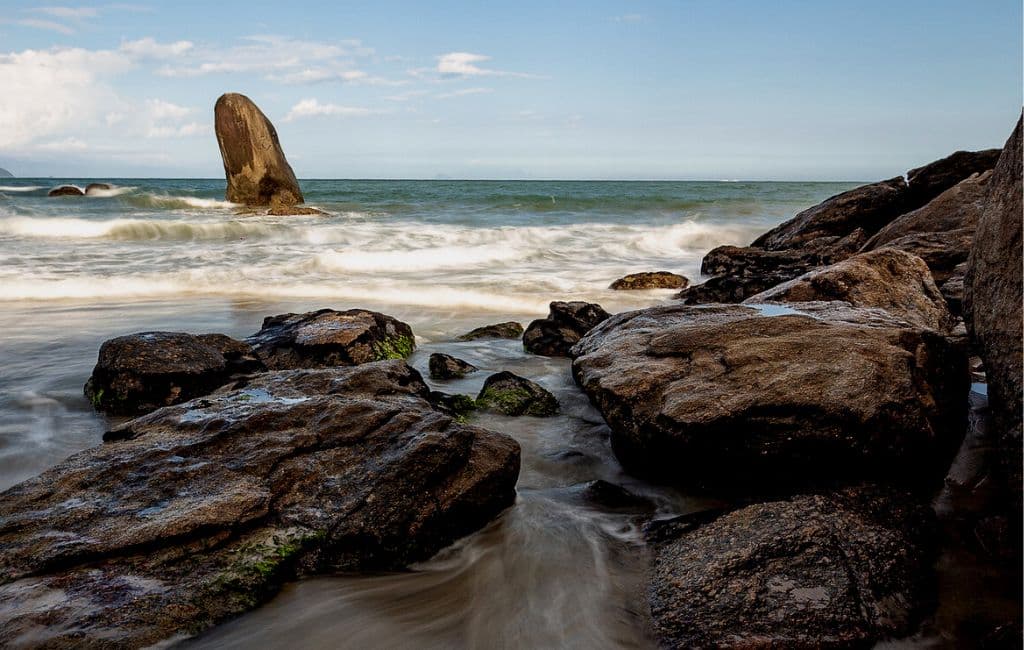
(257, 172)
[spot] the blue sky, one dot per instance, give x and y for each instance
(691, 89)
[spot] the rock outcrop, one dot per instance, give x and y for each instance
(650, 280)
(731, 396)
(141, 372)
(66, 190)
(200, 511)
(566, 323)
(835, 570)
(325, 338)
(445, 366)
(257, 172)
(507, 330)
(931, 180)
(888, 278)
(510, 394)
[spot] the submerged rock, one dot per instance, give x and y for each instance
(254, 163)
(200, 511)
(325, 338)
(445, 366)
(66, 190)
(891, 279)
(842, 569)
(141, 372)
(510, 394)
(95, 188)
(566, 323)
(508, 330)
(731, 396)
(650, 280)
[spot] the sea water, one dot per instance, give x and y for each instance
(444, 256)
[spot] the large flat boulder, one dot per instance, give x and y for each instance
(141, 372)
(736, 396)
(326, 338)
(835, 570)
(257, 172)
(200, 511)
(869, 207)
(888, 278)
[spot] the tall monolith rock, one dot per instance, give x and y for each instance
(254, 163)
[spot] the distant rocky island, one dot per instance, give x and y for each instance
(819, 382)
(5, 174)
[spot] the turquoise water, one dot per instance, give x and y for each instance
(444, 256)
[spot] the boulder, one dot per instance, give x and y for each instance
(510, 394)
(66, 190)
(931, 180)
(200, 511)
(445, 366)
(733, 396)
(728, 289)
(835, 570)
(992, 307)
(650, 280)
(325, 338)
(256, 169)
(95, 188)
(890, 279)
(508, 330)
(869, 207)
(141, 372)
(566, 323)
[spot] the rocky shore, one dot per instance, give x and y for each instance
(816, 384)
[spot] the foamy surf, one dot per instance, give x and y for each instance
(20, 188)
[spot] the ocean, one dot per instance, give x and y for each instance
(444, 256)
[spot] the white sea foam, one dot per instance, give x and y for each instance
(20, 188)
(112, 192)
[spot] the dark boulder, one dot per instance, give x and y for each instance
(254, 163)
(566, 323)
(888, 278)
(66, 190)
(650, 280)
(836, 570)
(201, 511)
(869, 208)
(445, 366)
(510, 394)
(733, 396)
(728, 289)
(931, 180)
(325, 338)
(508, 330)
(141, 372)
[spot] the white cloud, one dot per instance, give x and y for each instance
(50, 25)
(317, 75)
(465, 91)
(464, 64)
(65, 145)
(68, 12)
(148, 48)
(313, 108)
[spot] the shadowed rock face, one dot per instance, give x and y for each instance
(887, 278)
(565, 324)
(835, 570)
(931, 180)
(730, 397)
(445, 366)
(200, 511)
(256, 169)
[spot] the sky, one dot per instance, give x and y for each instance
(625, 89)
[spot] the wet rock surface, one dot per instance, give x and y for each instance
(566, 323)
(200, 511)
(326, 338)
(729, 396)
(840, 569)
(887, 278)
(254, 163)
(445, 366)
(650, 280)
(507, 330)
(510, 394)
(141, 372)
